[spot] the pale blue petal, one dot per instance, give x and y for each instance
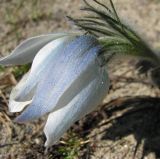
(45, 57)
(26, 51)
(15, 106)
(86, 101)
(76, 63)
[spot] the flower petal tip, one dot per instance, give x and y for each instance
(47, 144)
(22, 118)
(15, 106)
(17, 120)
(6, 61)
(50, 143)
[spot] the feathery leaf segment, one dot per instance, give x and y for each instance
(113, 34)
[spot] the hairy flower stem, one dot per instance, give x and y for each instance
(122, 47)
(114, 36)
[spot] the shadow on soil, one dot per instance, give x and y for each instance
(139, 116)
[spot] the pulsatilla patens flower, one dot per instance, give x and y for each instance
(67, 80)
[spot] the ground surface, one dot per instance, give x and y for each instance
(126, 126)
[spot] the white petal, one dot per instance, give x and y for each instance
(86, 101)
(74, 72)
(15, 106)
(42, 61)
(26, 51)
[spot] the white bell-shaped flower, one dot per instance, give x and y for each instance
(66, 81)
